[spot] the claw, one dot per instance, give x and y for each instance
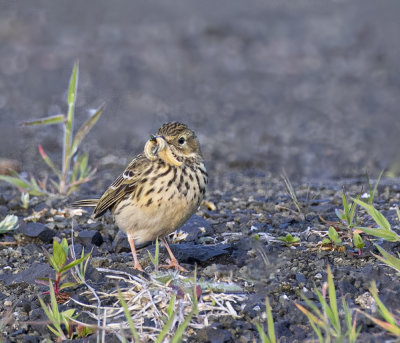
(174, 264)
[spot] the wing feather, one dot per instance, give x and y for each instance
(123, 186)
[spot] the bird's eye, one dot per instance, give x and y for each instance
(181, 140)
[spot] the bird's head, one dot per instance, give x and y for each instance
(174, 143)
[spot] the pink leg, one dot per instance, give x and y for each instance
(133, 249)
(174, 262)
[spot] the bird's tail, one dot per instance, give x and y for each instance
(85, 203)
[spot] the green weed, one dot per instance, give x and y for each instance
(74, 166)
(333, 239)
(384, 231)
(58, 261)
(289, 239)
(372, 192)
(57, 318)
(269, 336)
(326, 322)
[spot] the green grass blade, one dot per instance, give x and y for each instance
(83, 167)
(74, 263)
(165, 330)
(375, 214)
(73, 84)
(195, 303)
(261, 333)
(57, 119)
(333, 302)
(369, 185)
(388, 259)
(353, 210)
(49, 162)
(84, 129)
(128, 317)
(270, 321)
(68, 127)
(313, 307)
(19, 182)
(45, 309)
(315, 322)
(346, 207)
(54, 305)
(384, 312)
(372, 195)
(170, 309)
(389, 236)
(177, 338)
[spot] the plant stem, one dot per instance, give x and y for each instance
(68, 127)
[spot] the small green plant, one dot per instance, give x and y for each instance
(74, 167)
(268, 337)
(155, 259)
(326, 322)
(333, 239)
(347, 215)
(390, 322)
(58, 261)
(372, 192)
(9, 223)
(384, 231)
(289, 239)
(358, 241)
(57, 318)
(25, 200)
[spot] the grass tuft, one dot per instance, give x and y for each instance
(74, 169)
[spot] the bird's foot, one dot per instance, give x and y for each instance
(137, 266)
(174, 264)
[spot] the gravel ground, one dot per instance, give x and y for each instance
(307, 86)
(238, 244)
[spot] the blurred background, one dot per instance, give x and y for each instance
(309, 86)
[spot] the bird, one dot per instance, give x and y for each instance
(158, 191)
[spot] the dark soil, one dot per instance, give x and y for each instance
(309, 86)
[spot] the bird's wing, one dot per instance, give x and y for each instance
(124, 185)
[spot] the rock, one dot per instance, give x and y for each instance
(86, 237)
(214, 335)
(194, 227)
(38, 230)
(3, 210)
(29, 275)
(191, 253)
(300, 278)
(31, 339)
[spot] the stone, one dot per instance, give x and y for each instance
(29, 275)
(86, 237)
(191, 253)
(38, 230)
(194, 227)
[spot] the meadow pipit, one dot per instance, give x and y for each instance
(158, 191)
